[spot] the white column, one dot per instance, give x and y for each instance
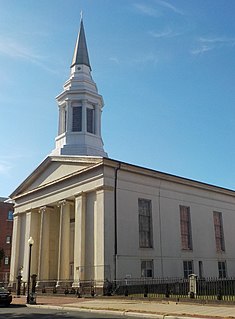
(43, 254)
(26, 250)
(31, 225)
(97, 120)
(104, 234)
(99, 261)
(14, 270)
(60, 120)
(62, 124)
(64, 238)
(79, 239)
(69, 115)
(100, 114)
(84, 120)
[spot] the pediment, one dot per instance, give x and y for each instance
(55, 168)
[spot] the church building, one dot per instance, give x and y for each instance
(95, 218)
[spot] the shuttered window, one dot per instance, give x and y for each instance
(185, 227)
(145, 223)
(147, 268)
(219, 233)
(77, 119)
(188, 268)
(222, 269)
(90, 120)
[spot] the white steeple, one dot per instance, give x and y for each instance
(80, 107)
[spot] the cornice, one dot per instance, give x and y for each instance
(167, 177)
(99, 162)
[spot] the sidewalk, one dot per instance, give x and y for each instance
(128, 307)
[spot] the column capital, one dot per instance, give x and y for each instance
(80, 194)
(97, 105)
(64, 202)
(44, 208)
(68, 102)
(84, 101)
(16, 214)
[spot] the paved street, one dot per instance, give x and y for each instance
(23, 312)
(72, 307)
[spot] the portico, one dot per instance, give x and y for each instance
(68, 230)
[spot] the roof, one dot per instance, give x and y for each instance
(66, 159)
(80, 55)
(94, 162)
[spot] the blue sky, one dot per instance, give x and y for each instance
(166, 71)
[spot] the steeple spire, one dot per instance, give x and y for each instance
(80, 55)
(80, 108)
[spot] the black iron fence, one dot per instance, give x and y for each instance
(177, 288)
(205, 289)
(4, 279)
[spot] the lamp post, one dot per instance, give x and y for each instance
(30, 242)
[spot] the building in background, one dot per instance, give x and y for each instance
(95, 218)
(6, 226)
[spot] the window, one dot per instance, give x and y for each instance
(77, 119)
(222, 269)
(188, 268)
(219, 233)
(145, 223)
(200, 267)
(185, 226)
(8, 239)
(90, 120)
(10, 215)
(147, 268)
(6, 260)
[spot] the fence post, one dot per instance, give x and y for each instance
(145, 291)
(219, 295)
(192, 285)
(18, 284)
(34, 276)
(126, 289)
(167, 292)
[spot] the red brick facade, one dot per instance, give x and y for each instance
(6, 226)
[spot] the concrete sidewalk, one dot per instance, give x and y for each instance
(129, 307)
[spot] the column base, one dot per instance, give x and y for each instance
(76, 284)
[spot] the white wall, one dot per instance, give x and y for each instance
(166, 196)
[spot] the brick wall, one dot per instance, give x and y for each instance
(6, 226)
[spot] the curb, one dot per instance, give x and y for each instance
(114, 312)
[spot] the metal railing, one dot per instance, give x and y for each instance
(4, 278)
(206, 289)
(177, 288)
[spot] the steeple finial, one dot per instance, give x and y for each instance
(80, 55)
(81, 14)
